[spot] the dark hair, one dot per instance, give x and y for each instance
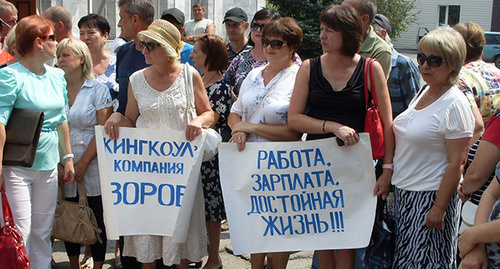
(474, 39)
(95, 21)
(265, 13)
(215, 49)
(198, 4)
(346, 20)
(286, 28)
(28, 29)
(142, 8)
(367, 7)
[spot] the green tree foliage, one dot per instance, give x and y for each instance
(306, 12)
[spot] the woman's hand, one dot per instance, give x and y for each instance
(383, 184)
(69, 171)
(80, 170)
(112, 125)
(345, 133)
(240, 138)
(435, 218)
(467, 242)
(475, 259)
(193, 129)
(464, 197)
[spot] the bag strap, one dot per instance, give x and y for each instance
(82, 194)
(190, 106)
(368, 75)
(7, 212)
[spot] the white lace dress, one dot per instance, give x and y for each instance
(166, 110)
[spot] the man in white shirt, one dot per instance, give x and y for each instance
(199, 26)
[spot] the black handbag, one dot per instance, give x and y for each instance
(380, 252)
(22, 135)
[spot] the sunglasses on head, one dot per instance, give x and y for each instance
(275, 43)
(150, 46)
(254, 26)
(432, 61)
(52, 37)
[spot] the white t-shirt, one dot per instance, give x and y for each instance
(420, 157)
(197, 27)
(274, 110)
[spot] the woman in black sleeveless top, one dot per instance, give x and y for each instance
(328, 100)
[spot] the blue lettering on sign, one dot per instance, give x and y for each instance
(303, 224)
(133, 193)
(148, 167)
(293, 181)
(151, 148)
(282, 159)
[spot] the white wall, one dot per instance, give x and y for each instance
(478, 11)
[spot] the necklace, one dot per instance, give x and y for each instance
(425, 101)
(206, 82)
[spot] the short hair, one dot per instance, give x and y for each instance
(265, 13)
(80, 49)
(95, 21)
(286, 28)
(60, 14)
(28, 30)
(345, 19)
(215, 49)
(198, 4)
(142, 8)
(449, 44)
(7, 6)
(367, 7)
(10, 41)
(474, 38)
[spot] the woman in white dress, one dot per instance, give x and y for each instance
(157, 100)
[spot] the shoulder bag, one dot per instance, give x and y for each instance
(22, 135)
(75, 222)
(12, 253)
(373, 124)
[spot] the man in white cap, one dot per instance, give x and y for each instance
(236, 23)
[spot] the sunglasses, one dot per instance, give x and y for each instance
(275, 43)
(52, 37)
(150, 46)
(432, 61)
(254, 26)
(5, 24)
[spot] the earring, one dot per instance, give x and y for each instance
(42, 50)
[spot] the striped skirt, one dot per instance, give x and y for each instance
(418, 246)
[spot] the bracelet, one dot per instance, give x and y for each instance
(71, 155)
(324, 123)
(389, 166)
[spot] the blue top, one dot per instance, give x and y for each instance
(404, 81)
(185, 52)
(22, 89)
(128, 60)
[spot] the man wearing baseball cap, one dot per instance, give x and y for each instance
(236, 22)
(176, 17)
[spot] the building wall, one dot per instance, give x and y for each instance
(478, 11)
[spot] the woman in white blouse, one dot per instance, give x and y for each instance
(432, 139)
(89, 105)
(260, 112)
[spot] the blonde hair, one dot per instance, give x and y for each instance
(79, 48)
(10, 41)
(449, 44)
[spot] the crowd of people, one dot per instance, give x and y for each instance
(255, 88)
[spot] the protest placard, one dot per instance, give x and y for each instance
(149, 179)
(291, 196)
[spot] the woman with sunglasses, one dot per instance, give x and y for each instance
(329, 101)
(254, 57)
(272, 86)
(432, 139)
(31, 84)
(210, 56)
(157, 100)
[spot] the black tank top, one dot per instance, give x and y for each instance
(346, 107)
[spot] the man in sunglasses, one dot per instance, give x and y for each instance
(236, 23)
(373, 46)
(404, 80)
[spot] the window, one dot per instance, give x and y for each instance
(449, 15)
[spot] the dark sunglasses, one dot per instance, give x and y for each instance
(254, 26)
(150, 46)
(432, 61)
(52, 37)
(275, 43)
